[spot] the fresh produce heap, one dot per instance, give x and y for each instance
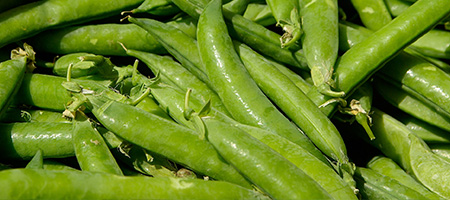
(225, 99)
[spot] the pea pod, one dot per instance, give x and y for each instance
(37, 162)
(237, 6)
(374, 14)
(238, 91)
(442, 150)
(55, 184)
(158, 7)
(38, 16)
(259, 13)
(287, 16)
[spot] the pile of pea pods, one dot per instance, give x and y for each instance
(225, 99)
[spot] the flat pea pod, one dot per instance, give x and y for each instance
(238, 91)
(250, 157)
(167, 138)
(91, 151)
(56, 184)
(320, 42)
(374, 14)
(295, 104)
(13, 72)
(428, 168)
(41, 15)
(22, 140)
(374, 185)
(286, 13)
(388, 167)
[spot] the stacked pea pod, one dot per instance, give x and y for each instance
(192, 99)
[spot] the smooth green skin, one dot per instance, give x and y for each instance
(237, 6)
(167, 138)
(411, 105)
(37, 162)
(55, 165)
(420, 79)
(389, 168)
(46, 91)
(396, 7)
(286, 14)
(429, 168)
(12, 72)
(374, 14)
(150, 105)
(179, 75)
(62, 64)
(351, 34)
(177, 43)
(442, 150)
(435, 43)
(374, 185)
(30, 19)
(267, 169)
(429, 133)
(294, 104)
(362, 60)
(259, 13)
(91, 151)
(157, 7)
(320, 42)
(58, 184)
(22, 140)
(101, 39)
(301, 83)
(255, 35)
(185, 23)
(238, 91)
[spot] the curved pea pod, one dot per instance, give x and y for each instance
(286, 13)
(12, 71)
(428, 168)
(157, 7)
(91, 151)
(420, 79)
(55, 184)
(250, 157)
(374, 14)
(84, 64)
(164, 137)
(409, 104)
(42, 15)
(230, 80)
(374, 185)
(22, 140)
(389, 168)
(295, 104)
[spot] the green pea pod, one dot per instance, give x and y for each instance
(42, 15)
(320, 42)
(259, 13)
(49, 164)
(185, 146)
(442, 150)
(428, 133)
(389, 168)
(411, 105)
(18, 115)
(295, 104)
(250, 157)
(237, 6)
(374, 185)
(374, 14)
(435, 43)
(13, 72)
(158, 7)
(80, 66)
(55, 184)
(238, 91)
(428, 168)
(287, 16)
(91, 151)
(396, 7)
(37, 162)
(150, 105)
(23, 140)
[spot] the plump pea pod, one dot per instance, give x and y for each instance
(295, 104)
(365, 58)
(429, 168)
(256, 36)
(237, 6)
(55, 184)
(286, 13)
(409, 104)
(238, 91)
(259, 13)
(389, 168)
(420, 79)
(180, 76)
(435, 43)
(102, 39)
(37, 162)
(301, 83)
(374, 14)
(250, 157)
(177, 43)
(91, 151)
(22, 140)
(374, 185)
(320, 42)
(157, 7)
(83, 64)
(12, 72)
(46, 91)
(39, 16)
(179, 143)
